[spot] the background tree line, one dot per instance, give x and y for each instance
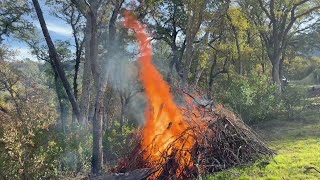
(80, 98)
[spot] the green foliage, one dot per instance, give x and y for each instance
(316, 76)
(293, 100)
(117, 144)
(31, 144)
(218, 37)
(238, 19)
(77, 150)
(300, 67)
(29, 149)
(12, 18)
(252, 98)
(221, 176)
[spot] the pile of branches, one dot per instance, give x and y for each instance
(226, 142)
(222, 141)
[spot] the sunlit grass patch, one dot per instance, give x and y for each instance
(297, 143)
(292, 161)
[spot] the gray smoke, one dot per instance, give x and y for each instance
(122, 75)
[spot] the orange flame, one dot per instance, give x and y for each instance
(164, 131)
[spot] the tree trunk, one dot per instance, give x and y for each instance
(97, 157)
(76, 72)
(86, 78)
(214, 73)
(211, 78)
(189, 57)
(281, 68)
(75, 79)
(77, 63)
(195, 17)
(173, 63)
(236, 36)
(275, 73)
(97, 120)
(240, 64)
(55, 60)
(263, 66)
(198, 76)
(99, 83)
(122, 120)
(190, 36)
(61, 105)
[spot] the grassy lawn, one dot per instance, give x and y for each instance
(297, 144)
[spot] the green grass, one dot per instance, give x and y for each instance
(298, 146)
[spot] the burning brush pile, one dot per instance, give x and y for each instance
(188, 140)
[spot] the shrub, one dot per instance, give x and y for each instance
(76, 153)
(316, 76)
(28, 148)
(299, 67)
(251, 97)
(293, 101)
(118, 144)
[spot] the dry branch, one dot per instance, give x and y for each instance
(221, 141)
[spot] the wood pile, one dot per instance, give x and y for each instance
(222, 141)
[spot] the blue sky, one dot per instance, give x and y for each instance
(58, 30)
